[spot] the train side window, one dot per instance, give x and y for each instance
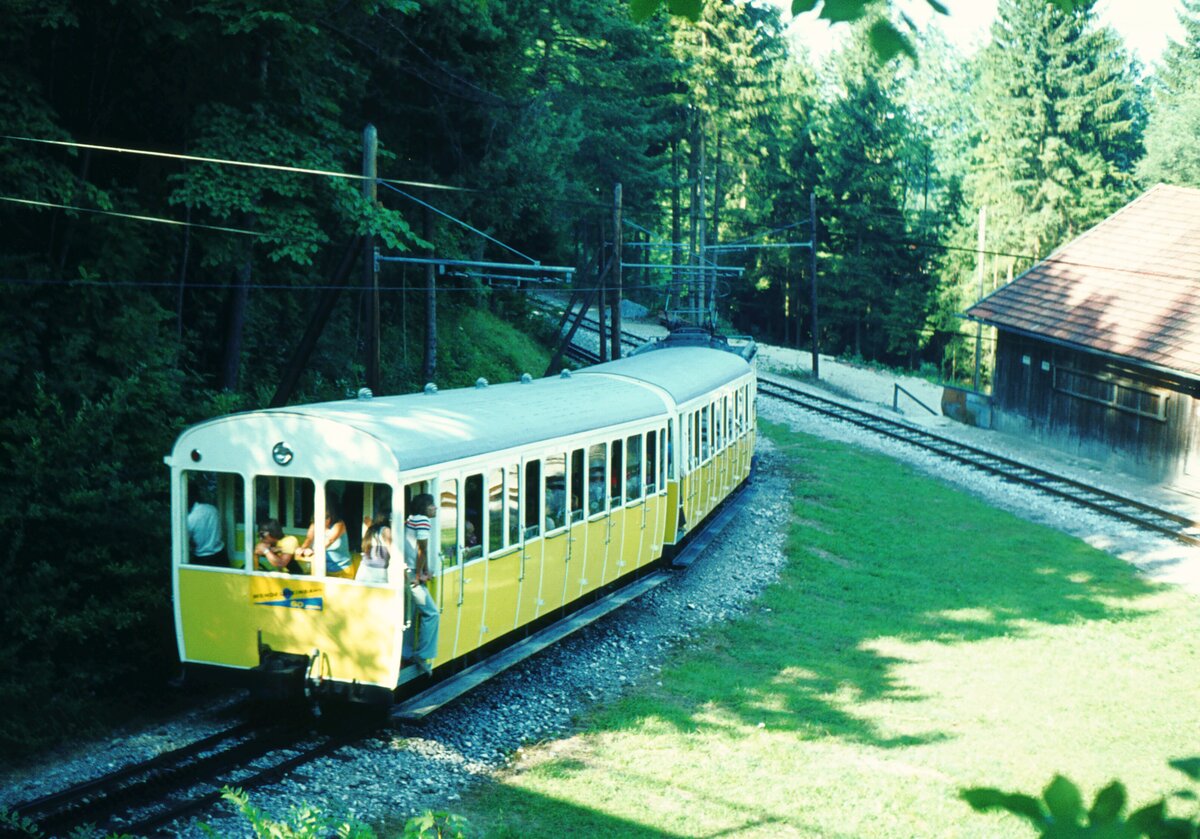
(652, 462)
(556, 491)
(533, 499)
(512, 503)
(597, 457)
(664, 463)
(495, 534)
(616, 476)
(577, 494)
(704, 430)
(718, 427)
(448, 522)
(473, 517)
(695, 440)
(633, 467)
(215, 509)
(670, 449)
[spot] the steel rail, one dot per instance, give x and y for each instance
(152, 785)
(1127, 509)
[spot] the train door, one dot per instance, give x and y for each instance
(655, 493)
(635, 507)
(706, 464)
(615, 537)
(582, 545)
(445, 586)
(674, 499)
(596, 493)
(503, 553)
(472, 571)
(555, 535)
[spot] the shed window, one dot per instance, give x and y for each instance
(1102, 389)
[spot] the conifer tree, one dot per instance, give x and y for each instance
(1172, 155)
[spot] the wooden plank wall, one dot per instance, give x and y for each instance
(1025, 401)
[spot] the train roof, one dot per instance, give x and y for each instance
(422, 429)
(684, 372)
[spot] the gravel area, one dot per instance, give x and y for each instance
(406, 770)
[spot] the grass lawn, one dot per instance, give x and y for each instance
(917, 643)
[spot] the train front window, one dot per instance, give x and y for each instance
(215, 519)
(283, 509)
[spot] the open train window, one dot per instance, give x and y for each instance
(633, 468)
(473, 517)
(652, 465)
(216, 527)
(670, 450)
(616, 476)
(597, 460)
(695, 447)
(533, 498)
(578, 465)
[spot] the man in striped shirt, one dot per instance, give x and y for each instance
(416, 559)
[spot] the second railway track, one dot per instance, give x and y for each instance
(1130, 510)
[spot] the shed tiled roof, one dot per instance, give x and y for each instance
(1130, 286)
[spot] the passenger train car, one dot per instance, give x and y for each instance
(547, 493)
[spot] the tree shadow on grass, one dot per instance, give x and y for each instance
(883, 560)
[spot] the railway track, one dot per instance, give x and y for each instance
(142, 798)
(1098, 500)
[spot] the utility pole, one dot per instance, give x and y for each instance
(701, 221)
(616, 268)
(812, 217)
(370, 275)
(979, 271)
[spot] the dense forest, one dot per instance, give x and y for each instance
(151, 278)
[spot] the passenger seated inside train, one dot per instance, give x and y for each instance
(275, 551)
(556, 504)
(337, 551)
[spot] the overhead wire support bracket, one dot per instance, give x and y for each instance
(536, 267)
(750, 247)
(687, 269)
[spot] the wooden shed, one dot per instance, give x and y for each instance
(1098, 345)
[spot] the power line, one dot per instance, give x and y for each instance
(155, 219)
(275, 167)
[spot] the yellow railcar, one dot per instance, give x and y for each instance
(546, 493)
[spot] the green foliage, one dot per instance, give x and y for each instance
(305, 822)
(436, 825)
(1060, 813)
(309, 822)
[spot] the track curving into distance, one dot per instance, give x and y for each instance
(1144, 515)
